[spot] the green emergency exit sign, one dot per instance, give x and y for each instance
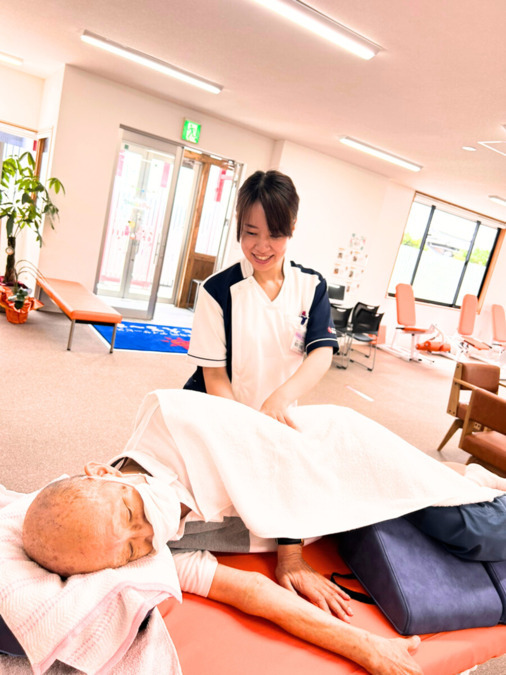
(191, 131)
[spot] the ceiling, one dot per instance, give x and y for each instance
(438, 84)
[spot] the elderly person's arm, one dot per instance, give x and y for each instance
(297, 576)
(255, 594)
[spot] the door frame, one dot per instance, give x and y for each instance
(127, 134)
(184, 280)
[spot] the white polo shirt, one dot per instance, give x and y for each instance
(262, 342)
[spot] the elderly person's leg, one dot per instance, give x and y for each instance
(255, 594)
(471, 531)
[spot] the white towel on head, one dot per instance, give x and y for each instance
(87, 621)
(341, 471)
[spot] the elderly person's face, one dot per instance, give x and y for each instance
(106, 528)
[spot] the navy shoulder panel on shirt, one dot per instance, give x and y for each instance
(307, 270)
(219, 284)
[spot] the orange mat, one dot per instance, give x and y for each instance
(215, 639)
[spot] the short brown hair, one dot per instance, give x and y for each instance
(279, 199)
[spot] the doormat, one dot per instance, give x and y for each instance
(148, 337)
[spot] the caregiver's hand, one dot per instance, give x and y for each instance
(276, 406)
(294, 574)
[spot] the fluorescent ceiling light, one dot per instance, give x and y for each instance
(497, 200)
(496, 146)
(469, 148)
(382, 154)
(324, 26)
(150, 62)
(8, 58)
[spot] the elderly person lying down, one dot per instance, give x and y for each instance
(204, 473)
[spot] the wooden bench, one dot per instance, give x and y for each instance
(80, 305)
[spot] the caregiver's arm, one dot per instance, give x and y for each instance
(294, 574)
(218, 382)
(308, 374)
(255, 594)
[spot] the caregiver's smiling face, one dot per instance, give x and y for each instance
(265, 251)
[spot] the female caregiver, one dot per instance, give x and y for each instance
(255, 320)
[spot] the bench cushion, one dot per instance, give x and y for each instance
(78, 303)
(214, 639)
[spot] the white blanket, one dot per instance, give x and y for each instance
(339, 472)
(87, 621)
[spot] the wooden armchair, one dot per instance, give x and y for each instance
(467, 377)
(484, 431)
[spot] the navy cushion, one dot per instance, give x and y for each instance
(418, 585)
(8, 643)
(497, 572)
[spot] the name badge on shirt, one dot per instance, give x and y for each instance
(299, 338)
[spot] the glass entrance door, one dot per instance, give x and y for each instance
(139, 214)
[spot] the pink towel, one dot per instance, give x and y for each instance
(88, 621)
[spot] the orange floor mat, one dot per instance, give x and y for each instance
(214, 639)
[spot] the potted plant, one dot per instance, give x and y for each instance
(16, 300)
(24, 202)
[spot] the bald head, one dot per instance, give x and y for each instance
(82, 524)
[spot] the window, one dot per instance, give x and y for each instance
(14, 141)
(445, 252)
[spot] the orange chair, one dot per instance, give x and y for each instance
(468, 376)
(467, 318)
(498, 325)
(406, 318)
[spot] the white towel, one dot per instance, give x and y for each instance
(339, 472)
(151, 652)
(88, 621)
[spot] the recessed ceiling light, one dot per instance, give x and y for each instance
(381, 154)
(321, 24)
(8, 58)
(497, 200)
(469, 148)
(150, 62)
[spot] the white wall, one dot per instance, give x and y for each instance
(85, 150)
(20, 98)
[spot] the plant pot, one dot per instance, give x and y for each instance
(5, 292)
(17, 315)
(21, 315)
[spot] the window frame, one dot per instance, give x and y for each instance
(473, 216)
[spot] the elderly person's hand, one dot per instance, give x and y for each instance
(294, 574)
